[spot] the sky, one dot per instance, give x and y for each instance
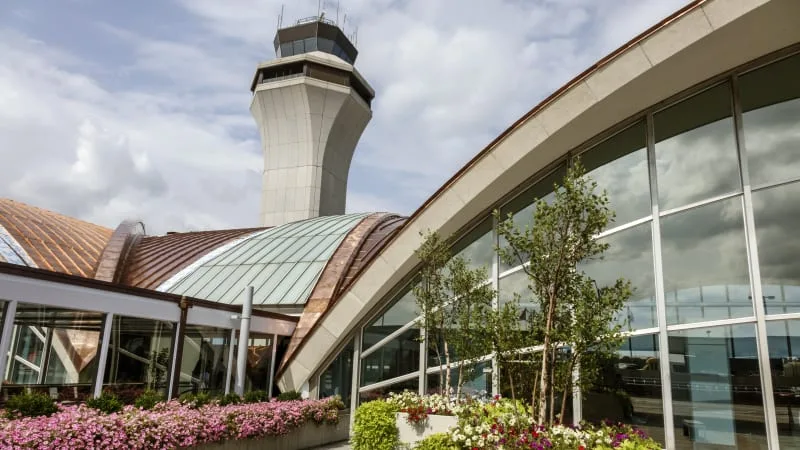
(115, 110)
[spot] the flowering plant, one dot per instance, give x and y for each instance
(168, 425)
(418, 407)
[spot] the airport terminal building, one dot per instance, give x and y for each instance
(693, 128)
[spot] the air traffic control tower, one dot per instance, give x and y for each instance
(311, 106)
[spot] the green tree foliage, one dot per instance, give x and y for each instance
(374, 427)
(455, 304)
(573, 321)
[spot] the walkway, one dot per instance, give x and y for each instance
(344, 445)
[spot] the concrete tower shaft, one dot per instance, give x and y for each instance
(311, 108)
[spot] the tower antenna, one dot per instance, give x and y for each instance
(280, 17)
(319, 7)
(337, 12)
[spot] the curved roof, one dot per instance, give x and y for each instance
(47, 240)
(283, 263)
(155, 259)
(663, 61)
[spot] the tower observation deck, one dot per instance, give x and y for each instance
(311, 106)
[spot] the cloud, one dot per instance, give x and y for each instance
(173, 140)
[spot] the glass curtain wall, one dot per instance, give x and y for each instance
(204, 363)
(53, 350)
(720, 169)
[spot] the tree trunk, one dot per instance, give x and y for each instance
(545, 384)
(552, 389)
(447, 367)
(566, 386)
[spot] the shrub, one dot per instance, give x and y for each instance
(335, 402)
(30, 404)
(374, 427)
(148, 399)
(230, 399)
(438, 441)
(289, 396)
(107, 403)
(195, 400)
(256, 396)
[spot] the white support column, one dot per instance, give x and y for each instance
(661, 305)
(755, 275)
(244, 338)
(495, 303)
(48, 344)
(272, 364)
(229, 371)
(6, 336)
(356, 375)
(423, 362)
(105, 342)
(577, 396)
(175, 375)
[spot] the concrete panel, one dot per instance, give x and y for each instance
(316, 346)
(341, 313)
(680, 34)
(527, 136)
(562, 110)
(722, 12)
(483, 172)
(628, 66)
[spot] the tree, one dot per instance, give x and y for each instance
(574, 318)
(454, 300)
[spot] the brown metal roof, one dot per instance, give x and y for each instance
(361, 244)
(157, 258)
(54, 241)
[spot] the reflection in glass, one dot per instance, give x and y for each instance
(629, 256)
(477, 380)
(705, 263)
(259, 362)
(376, 394)
(696, 154)
(138, 356)
(337, 379)
(404, 310)
(523, 206)
(53, 350)
(398, 357)
(629, 388)
(777, 213)
(784, 358)
(477, 246)
(514, 284)
(770, 99)
(716, 388)
(619, 166)
(204, 363)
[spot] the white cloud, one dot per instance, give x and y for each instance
(180, 150)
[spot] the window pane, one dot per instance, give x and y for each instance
(630, 256)
(204, 363)
(297, 47)
(523, 206)
(716, 388)
(477, 247)
(397, 357)
(771, 105)
(325, 45)
(138, 356)
(477, 381)
(54, 351)
(310, 44)
(337, 379)
(696, 149)
(784, 356)
(629, 388)
(619, 165)
(402, 312)
(705, 263)
(375, 394)
(776, 214)
(259, 362)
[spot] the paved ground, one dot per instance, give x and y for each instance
(338, 446)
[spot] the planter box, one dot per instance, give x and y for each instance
(309, 435)
(413, 433)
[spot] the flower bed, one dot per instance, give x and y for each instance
(167, 425)
(474, 424)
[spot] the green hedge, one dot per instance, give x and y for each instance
(30, 404)
(438, 441)
(374, 427)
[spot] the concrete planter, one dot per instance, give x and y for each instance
(309, 435)
(413, 433)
